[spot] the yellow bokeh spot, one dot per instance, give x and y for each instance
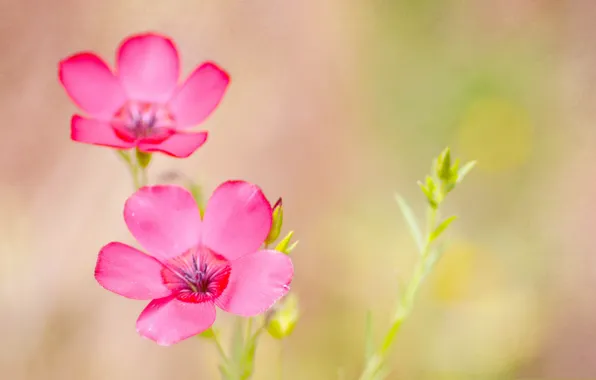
(453, 274)
(465, 272)
(496, 132)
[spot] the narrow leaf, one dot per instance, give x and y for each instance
(124, 154)
(429, 195)
(226, 373)
(282, 246)
(442, 227)
(247, 364)
(465, 170)
(445, 165)
(411, 221)
(291, 247)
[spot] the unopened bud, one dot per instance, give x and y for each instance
(276, 223)
(444, 165)
(282, 322)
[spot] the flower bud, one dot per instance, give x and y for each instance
(443, 167)
(276, 223)
(282, 322)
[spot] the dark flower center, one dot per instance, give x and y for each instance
(143, 121)
(198, 275)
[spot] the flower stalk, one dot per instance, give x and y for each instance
(443, 180)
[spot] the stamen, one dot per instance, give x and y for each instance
(199, 275)
(136, 121)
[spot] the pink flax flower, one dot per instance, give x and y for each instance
(193, 264)
(141, 104)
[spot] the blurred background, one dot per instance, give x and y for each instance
(334, 105)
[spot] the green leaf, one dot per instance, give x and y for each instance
(465, 170)
(124, 154)
(247, 363)
(429, 195)
(444, 165)
(369, 348)
(430, 184)
(454, 171)
(282, 246)
(411, 221)
(240, 365)
(226, 372)
(291, 247)
(441, 227)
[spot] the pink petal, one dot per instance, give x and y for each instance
(257, 281)
(129, 272)
(237, 219)
(169, 320)
(91, 85)
(96, 132)
(199, 95)
(179, 144)
(165, 219)
(148, 67)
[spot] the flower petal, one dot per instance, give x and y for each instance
(237, 219)
(169, 320)
(256, 282)
(165, 219)
(129, 272)
(148, 67)
(180, 144)
(199, 95)
(91, 85)
(96, 132)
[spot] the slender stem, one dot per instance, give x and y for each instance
(144, 179)
(135, 178)
(220, 349)
(132, 167)
(405, 304)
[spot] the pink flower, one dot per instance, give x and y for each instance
(141, 104)
(195, 264)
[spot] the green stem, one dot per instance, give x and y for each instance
(220, 349)
(404, 305)
(132, 167)
(143, 180)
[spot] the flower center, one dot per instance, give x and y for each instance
(143, 121)
(198, 275)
